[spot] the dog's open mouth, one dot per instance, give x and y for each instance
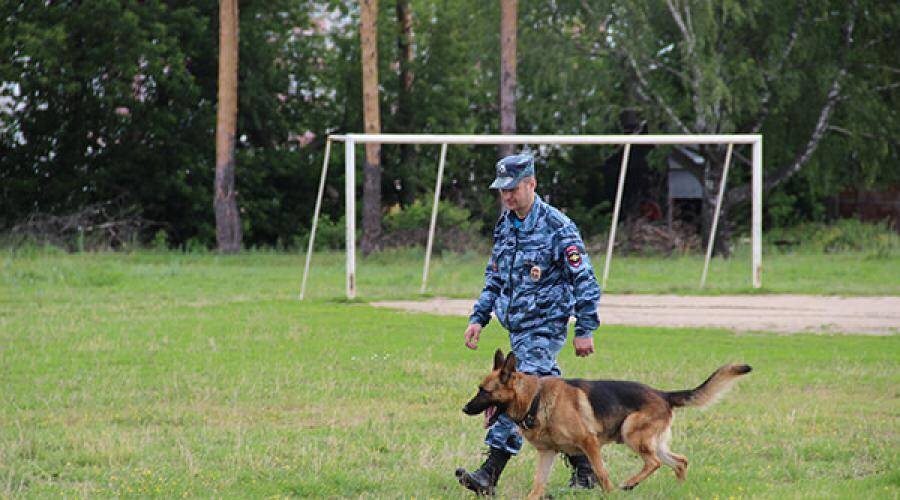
(490, 416)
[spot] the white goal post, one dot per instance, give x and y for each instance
(351, 140)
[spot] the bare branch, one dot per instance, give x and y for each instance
(874, 42)
(890, 86)
(813, 143)
(644, 89)
(106, 225)
(850, 133)
(669, 69)
(681, 25)
(686, 26)
(833, 97)
(690, 23)
(587, 7)
(771, 75)
(889, 69)
(743, 159)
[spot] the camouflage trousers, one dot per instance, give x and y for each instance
(535, 354)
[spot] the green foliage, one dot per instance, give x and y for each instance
(196, 245)
(737, 67)
(455, 229)
(849, 234)
(418, 215)
(160, 241)
(102, 112)
(129, 110)
(876, 240)
(330, 235)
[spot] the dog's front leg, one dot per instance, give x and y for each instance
(591, 448)
(541, 473)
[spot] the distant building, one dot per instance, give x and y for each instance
(685, 192)
(869, 206)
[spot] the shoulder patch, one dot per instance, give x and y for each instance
(573, 256)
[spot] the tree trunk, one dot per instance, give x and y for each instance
(405, 40)
(508, 15)
(228, 222)
(406, 56)
(372, 118)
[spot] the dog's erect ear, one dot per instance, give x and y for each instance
(498, 359)
(509, 366)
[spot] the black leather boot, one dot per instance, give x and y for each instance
(583, 477)
(484, 480)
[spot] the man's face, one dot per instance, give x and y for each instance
(521, 196)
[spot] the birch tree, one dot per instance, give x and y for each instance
(735, 67)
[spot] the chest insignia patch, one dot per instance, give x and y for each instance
(535, 273)
(573, 256)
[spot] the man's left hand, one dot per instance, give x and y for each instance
(583, 346)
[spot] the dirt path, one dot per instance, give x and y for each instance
(774, 313)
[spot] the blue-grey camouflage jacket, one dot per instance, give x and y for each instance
(539, 275)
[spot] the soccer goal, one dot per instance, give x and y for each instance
(351, 140)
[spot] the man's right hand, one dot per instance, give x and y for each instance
(473, 332)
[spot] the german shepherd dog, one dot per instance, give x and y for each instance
(578, 417)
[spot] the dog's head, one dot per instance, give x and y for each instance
(496, 390)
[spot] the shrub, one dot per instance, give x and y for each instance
(330, 234)
(456, 229)
(109, 225)
(592, 221)
(160, 241)
(195, 245)
(844, 235)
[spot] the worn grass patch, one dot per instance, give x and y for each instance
(169, 375)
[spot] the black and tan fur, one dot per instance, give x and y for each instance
(580, 416)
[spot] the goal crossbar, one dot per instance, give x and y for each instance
(568, 140)
(351, 140)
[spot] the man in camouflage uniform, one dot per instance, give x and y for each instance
(537, 277)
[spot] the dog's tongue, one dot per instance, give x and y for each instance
(488, 415)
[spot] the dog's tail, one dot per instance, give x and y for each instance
(709, 391)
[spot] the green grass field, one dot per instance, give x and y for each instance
(171, 375)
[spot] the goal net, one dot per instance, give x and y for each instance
(444, 140)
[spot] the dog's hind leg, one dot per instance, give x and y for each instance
(640, 433)
(677, 462)
(541, 473)
(591, 448)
